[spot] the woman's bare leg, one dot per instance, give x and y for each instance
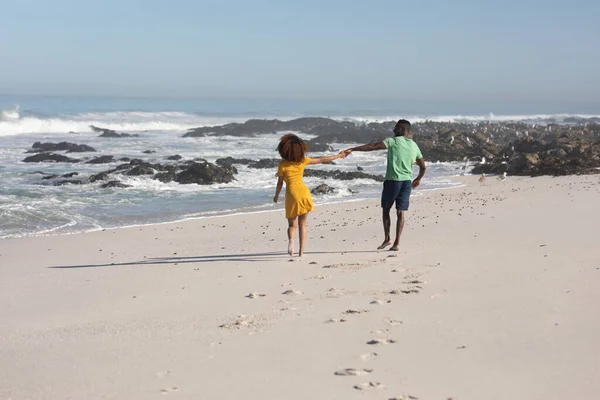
(302, 225)
(292, 225)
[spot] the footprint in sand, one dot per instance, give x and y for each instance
(255, 295)
(169, 390)
(320, 277)
(369, 386)
(240, 322)
(353, 312)
(367, 356)
(380, 342)
(404, 291)
(405, 397)
(380, 302)
(336, 320)
(292, 292)
(393, 322)
(353, 372)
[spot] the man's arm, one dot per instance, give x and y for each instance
(422, 168)
(370, 147)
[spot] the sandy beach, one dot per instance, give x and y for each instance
(491, 296)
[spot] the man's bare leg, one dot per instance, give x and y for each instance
(386, 229)
(399, 228)
(302, 232)
(292, 224)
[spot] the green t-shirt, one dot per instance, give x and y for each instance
(402, 154)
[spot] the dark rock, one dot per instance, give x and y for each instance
(101, 160)
(166, 177)
(62, 146)
(50, 177)
(230, 160)
(102, 176)
(114, 184)
(176, 157)
(323, 189)
(264, 163)
(523, 163)
(141, 170)
(125, 159)
(565, 154)
(68, 182)
(69, 175)
(341, 175)
(148, 151)
(49, 157)
(205, 174)
(109, 133)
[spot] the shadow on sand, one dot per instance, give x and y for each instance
(245, 257)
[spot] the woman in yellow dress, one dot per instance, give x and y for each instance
(298, 201)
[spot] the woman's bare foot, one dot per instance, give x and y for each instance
(385, 244)
(395, 247)
(291, 248)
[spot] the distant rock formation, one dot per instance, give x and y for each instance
(49, 157)
(109, 133)
(39, 147)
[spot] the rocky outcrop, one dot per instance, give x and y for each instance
(564, 155)
(148, 151)
(205, 174)
(264, 163)
(323, 189)
(341, 175)
(175, 157)
(141, 170)
(68, 182)
(68, 175)
(49, 157)
(109, 133)
(101, 160)
(230, 161)
(115, 184)
(39, 147)
(102, 176)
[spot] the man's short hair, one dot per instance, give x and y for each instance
(402, 127)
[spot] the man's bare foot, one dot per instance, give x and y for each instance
(291, 248)
(385, 244)
(395, 247)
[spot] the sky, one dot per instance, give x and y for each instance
(378, 49)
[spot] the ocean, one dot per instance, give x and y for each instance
(30, 205)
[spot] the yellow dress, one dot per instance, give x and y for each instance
(298, 200)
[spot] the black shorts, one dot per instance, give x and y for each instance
(396, 191)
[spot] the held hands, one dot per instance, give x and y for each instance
(345, 153)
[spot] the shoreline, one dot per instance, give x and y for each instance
(211, 214)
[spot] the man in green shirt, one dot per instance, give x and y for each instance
(402, 153)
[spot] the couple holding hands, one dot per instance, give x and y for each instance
(402, 153)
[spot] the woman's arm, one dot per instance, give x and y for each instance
(341, 154)
(278, 190)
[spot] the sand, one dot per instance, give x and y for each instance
(492, 295)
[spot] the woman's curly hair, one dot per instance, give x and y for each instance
(292, 148)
